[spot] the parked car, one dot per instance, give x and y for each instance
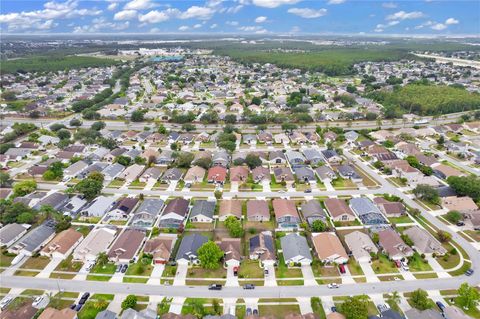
(90, 266)
(333, 309)
(5, 301)
(342, 269)
(469, 272)
(78, 307)
(308, 190)
(398, 263)
(382, 307)
(249, 311)
(405, 266)
(72, 306)
(124, 268)
(440, 306)
(119, 268)
(460, 224)
(255, 312)
(215, 287)
(235, 271)
(249, 286)
(333, 286)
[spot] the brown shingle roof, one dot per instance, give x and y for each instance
(258, 207)
(63, 241)
(233, 207)
(337, 207)
(283, 207)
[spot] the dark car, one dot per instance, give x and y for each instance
(333, 309)
(124, 268)
(72, 306)
(440, 306)
(255, 312)
(249, 286)
(460, 224)
(78, 307)
(86, 295)
(308, 190)
(249, 311)
(119, 268)
(469, 272)
(215, 287)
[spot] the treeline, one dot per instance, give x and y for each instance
(53, 63)
(425, 99)
(332, 62)
(19, 129)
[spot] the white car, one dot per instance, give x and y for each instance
(5, 301)
(333, 286)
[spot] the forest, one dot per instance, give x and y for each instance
(426, 99)
(52, 63)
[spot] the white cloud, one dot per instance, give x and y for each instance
(183, 28)
(101, 25)
(438, 27)
(336, 1)
(112, 6)
(381, 27)
(155, 30)
(156, 16)
(232, 23)
(213, 26)
(295, 29)
(261, 19)
(402, 15)
(196, 12)
(450, 21)
(234, 9)
(273, 3)
(138, 5)
(125, 15)
(308, 13)
(197, 26)
(389, 5)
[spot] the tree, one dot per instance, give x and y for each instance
(466, 185)
(253, 160)
(468, 296)
(5, 179)
(234, 226)
(228, 145)
(454, 216)
(64, 134)
(394, 299)
(129, 302)
(25, 218)
(419, 299)
(289, 127)
(137, 116)
(89, 187)
(427, 193)
(98, 126)
(209, 255)
(102, 259)
(443, 236)
(204, 162)
(75, 122)
(318, 226)
(197, 307)
(441, 140)
(54, 172)
(24, 187)
(5, 147)
(124, 160)
(355, 307)
(56, 126)
(161, 129)
(188, 127)
(63, 224)
(230, 118)
(184, 159)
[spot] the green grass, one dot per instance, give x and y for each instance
(472, 312)
(250, 269)
(416, 263)
(317, 307)
(36, 263)
(383, 265)
(67, 265)
(90, 310)
(282, 271)
(108, 269)
(278, 311)
(103, 296)
(400, 220)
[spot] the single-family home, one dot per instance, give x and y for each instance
(99, 206)
(366, 211)
(283, 174)
(393, 245)
(349, 172)
(424, 242)
(260, 174)
(295, 249)
(295, 157)
(329, 248)
(194, 175)
(52, 313)
(112, 171)
(160, 248)
(131, 173)
(325, 173)
(96, 242)
(228, 208)
(332, 157)
(286, 213)
(339, 210)
(313, 156)
(258, 210)
(238, 174)
(232, 248)
(74, 169)
(312, 211)
(62, 244)
(361, 246)
(127, 245)
(187, 251)
(304, 174)
(277, 157)
(151, 175)
(34, 240)
(461, 204)
(262, 248)
(123, 208)
(220, 158)
(388, 208)
(55, 200)
(217, 175)
(10, 233)
(146, 214)
(202, 211)
(174, 213)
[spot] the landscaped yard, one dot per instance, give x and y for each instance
(343, 183)
(140, 268)
(198, 272)
(472, 312)
(6, 259)
(400, 220)
(250, 269)
(91, 309)
(108, 269)
(282, 271)
(383, 265)
(69, 266)
(36, 263)
(278, 311)
(416, 263)
(116, 183)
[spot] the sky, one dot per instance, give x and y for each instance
(442, 17)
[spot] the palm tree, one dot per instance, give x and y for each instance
(394, 299)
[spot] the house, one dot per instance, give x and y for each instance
(34, 240)
(202, 211)
(332, 157)
(281, 138)
(171, 175)
(265, 137)
(348, 172)
(461, 204)
(423, 314)
(295, 249)
(187, 251)
(283, 174)
(360, 245)
(151, 175)
(151, 155)
(326, 174)
(55, 200)
(62, 244)
(230, 208)
(286, 213)
(387, 314)
(217, 175)
(262, 248)
(131, 173)
(165, 158)
(329, 248)
(312, 211)
(112, 171)
(220, 158)
(160, 248)
(443, 171)
(304, 174)
(48, 140)
(194, 175)
(146, 214)
(96, 242)
(339, 210)
(390, 209)
(52, 313)
(277, 157)
(424, 242)
(329, 136)
(174, 213)
(452, 312)
(127, 245)
(123, 208)
(261, 174)
(147, 313)
(95, 167)
(75, 169)
(10, 233)
(351, 136)
(238, 174)
(98, 207)
(295, 158)
(98, 154)
(366, 211)
(106, 314)
(313, 156)
(232, 248)
(381, 135)
(393, 245)
(258, 210)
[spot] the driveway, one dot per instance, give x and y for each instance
(171, 187)
(308, 276)
(407, 275)
(45, 273)
(368, 271)
(347, 276)
(327, 303)
(234, 187)
(328, 186)
(181, 275)
(232, 280)
(177, 305)
(270, 279)
(117, 277)
(305, 305)
(229, 305)
(251, 303)
(156, 275)
(266, 186)
(441, 273)
(116, 304)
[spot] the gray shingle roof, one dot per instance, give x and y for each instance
(203, 207)
(189, 246)
(295, 245)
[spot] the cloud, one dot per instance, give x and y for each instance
(438, 27)
(402, 15)
(261, 19)
(138, 5)
(389, 5)
(451, 21)
(156, 16)
(253, 29)
(308, 13)
(101, 25)
(183, 28)
(112, 6)
(197, 26)
(295, 29)
(232, 23)
(213, 26)
(273, 3)
(336, 1)
(381, 27)
(125, 15)
(196, 12)
(234, 9)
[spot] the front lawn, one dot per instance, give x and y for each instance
(416, 263)
(383, 265)
(250, 269)
(140, 268)
(107, 269)
(91, 309)
(36, 263)
(472, 312)
(400, 220)
(282, 271)
(67, 265)
(343, 183)
(278, 311)
(198, 272)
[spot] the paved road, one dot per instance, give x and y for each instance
(454, 61)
